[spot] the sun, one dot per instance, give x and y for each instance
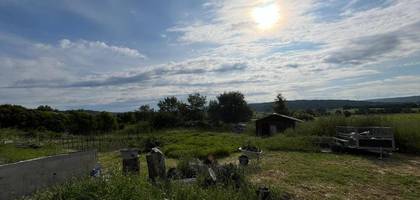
(266, 16)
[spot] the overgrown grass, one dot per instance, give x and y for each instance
(303, 138)
(116, 186)
(113, 185)
(181, 143)
(332, 176)
(193, 143)
(10, 134)
(407, 131)
(406, 127)
(288, 143)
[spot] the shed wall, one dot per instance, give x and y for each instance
(262, 126)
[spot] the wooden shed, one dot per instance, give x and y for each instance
(274, 123)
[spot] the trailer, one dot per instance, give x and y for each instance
(248, 154)
(374, 139)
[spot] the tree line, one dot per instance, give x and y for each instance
(44, 118)
(196, 111)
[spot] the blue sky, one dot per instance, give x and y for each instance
(118, 55)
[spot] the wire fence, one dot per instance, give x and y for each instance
(80, 143)
(99, 142)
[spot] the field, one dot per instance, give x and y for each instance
(292, 167)
(299, 175)
(175, 143)
(330, 176)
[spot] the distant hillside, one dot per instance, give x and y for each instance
(331, 104)
(410, 99)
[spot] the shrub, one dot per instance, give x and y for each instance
(303, 116)
(165, 120)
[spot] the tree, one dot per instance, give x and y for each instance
(321, 111)
(196, 107)
(81, 122)
(362, 111)
(170, 114)
(232, 108)
(279, 105)
(144, 113)
(183, 111)
(164, 120)
(311, 112)
(146, 108)
(347, 113)
(169, 104)
(52, 121)
(45, 108)
(213, 111)
(106, 122)
(126, 118)
(303, 115)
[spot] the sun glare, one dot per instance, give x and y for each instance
(266, 16)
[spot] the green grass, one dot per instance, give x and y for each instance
(117, 186)
(332, 176)
(10, 134)
(175, 144)
(407, 131)
(195, 143)
(16, 134)
(10, 153)
(287, 143)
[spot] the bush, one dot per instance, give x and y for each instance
(347, 113)
(165, 120)
(197, 124)
(143, 127)
(303, 116)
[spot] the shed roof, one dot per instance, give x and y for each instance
(280, 115)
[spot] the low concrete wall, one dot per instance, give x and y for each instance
(25, 177)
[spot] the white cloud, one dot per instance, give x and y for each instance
(84, 45)
(303, 57)
(65, 60)
(347, 48)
